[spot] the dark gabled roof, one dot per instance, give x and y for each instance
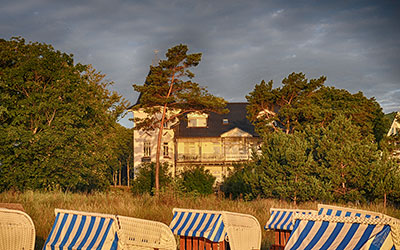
(215, 128)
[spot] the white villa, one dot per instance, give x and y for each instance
(214, 141)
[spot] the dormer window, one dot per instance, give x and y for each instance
(225, 121)
(196, 120)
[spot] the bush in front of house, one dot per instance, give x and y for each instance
(197, 180)
(145, 178)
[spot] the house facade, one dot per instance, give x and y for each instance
(395, 131)
(214, 141)
(395, 128)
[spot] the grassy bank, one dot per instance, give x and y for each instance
(40, 206)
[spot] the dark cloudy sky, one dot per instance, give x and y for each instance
(356, 44)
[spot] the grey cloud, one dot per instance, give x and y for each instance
(355, 44)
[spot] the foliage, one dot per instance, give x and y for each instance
(300, 103)
(328, 102)
(345, 159)
(285, 170)
(282, 107)
(169, 93)
(197, 179)
(333, 163)
(145, 178)
(56, 117)
(386, 179)
(121, 161)
(238, 183)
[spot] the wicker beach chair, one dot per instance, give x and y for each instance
(144, 234)
(17, 230)
(211, 230)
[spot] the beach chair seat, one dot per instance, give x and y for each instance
(17, 230)
(205, 229)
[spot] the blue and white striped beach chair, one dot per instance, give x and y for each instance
(343, 228)
(82, 230)
(204, 229)
(281, 222)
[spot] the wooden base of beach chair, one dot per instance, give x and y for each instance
(281, 238)
(196, 243)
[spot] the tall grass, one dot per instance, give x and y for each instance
(40, 206)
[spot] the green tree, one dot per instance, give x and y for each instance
(197, 179)
(169, 93)
(281, 108)
(385, 181)
(146, 177)
(284, 169)
(287, 168)
(328, 102)
(346, 159)
(121, 155)
(55, 117)
(241, 182)
(300, 103)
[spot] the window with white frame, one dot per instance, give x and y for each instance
(166, 150)
(147, 149)
(196, 120)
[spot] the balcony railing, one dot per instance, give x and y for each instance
(211, 157)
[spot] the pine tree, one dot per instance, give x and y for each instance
(169, 94)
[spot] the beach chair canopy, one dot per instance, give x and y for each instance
(17, 230)
(82, 230)
(144, 234)
(351, 229)
(242, 231)
(347, 212)
(282, 219)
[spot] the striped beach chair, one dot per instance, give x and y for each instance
(343, 228)
(82, 230)
(211, 230)
(17, 230)
(281, 222)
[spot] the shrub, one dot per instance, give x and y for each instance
(197, 179)
(145, 178)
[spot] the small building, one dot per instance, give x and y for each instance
(214, 141)
(395, 128)
(395, 131)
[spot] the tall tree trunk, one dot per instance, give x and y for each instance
(295, 192)
(384, 201)
(127, 172)
(120, 173)
(157, 177)
(342, 166)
